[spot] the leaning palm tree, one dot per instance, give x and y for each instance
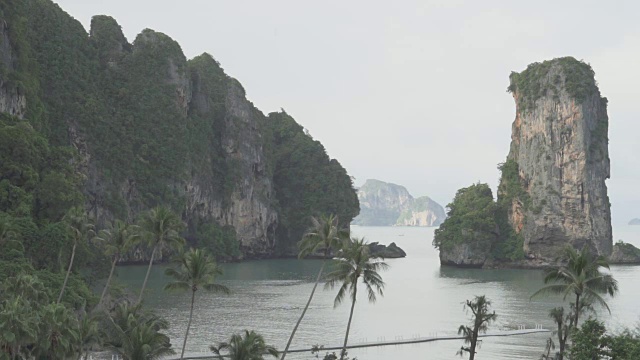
(196, 269)
(118, 238)
(81, 228)
(161, 227)
(250, 347)
(324, 236)
(582, 277)
(355, 262)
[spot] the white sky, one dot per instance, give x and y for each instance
(409, 92)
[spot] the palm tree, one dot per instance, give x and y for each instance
(118, 238)
(135, 334)
(80, 228)
(18, 326)
(355, 262)
(481, 317)
(161, 227)
(196, 269)
(88, 335)
(324, 236)
(582, 277)
(563, 322)
(250, 347)
(58, 333)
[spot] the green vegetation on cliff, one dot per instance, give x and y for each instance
(576, 77)
(475, 219)
(125, 127)
(510, 244)
(307, 182)
(470, 220)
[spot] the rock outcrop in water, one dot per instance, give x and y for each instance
(392, 251)
(555, 194)
(634, 221)
(386, 204)
(624, 253)
(552, 191)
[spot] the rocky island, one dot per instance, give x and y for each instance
(392, 251)
(387, 204)
(634, 221)
(552, 190)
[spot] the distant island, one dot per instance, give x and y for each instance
(386, 204)
(635, 221)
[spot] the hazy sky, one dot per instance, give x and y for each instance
(409, 92)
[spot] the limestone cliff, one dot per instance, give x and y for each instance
(142, 125)
(423, 212)
(386, 204)
(553, 188)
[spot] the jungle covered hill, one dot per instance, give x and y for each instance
(89, 119)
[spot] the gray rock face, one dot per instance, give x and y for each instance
(386, 204)
(249, 210)
(423, 212)
(249, 206)
(559, 141)
(463, 255)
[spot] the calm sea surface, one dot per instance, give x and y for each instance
(421, 299)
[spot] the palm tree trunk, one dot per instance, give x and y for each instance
(346, 337)
(184, 344)
(146, 278)
(577, 310)
(106, 286)
(474, 343)
(66, 278)
(293, 333)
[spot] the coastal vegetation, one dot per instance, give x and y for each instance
(325, 236)
(581, 275)
(355, 263)
(128, 151)
(481, 317)
(248, 346)
(196, 270)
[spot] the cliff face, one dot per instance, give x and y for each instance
(423, 212)
(249, 206)
(142, 126)
(553, 186)
(386, 204)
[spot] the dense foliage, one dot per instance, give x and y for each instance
(123, 127)
(576, 77)
(470, 220)
(111, 130)
(510, 244)
(591, 341)
(307, 182)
